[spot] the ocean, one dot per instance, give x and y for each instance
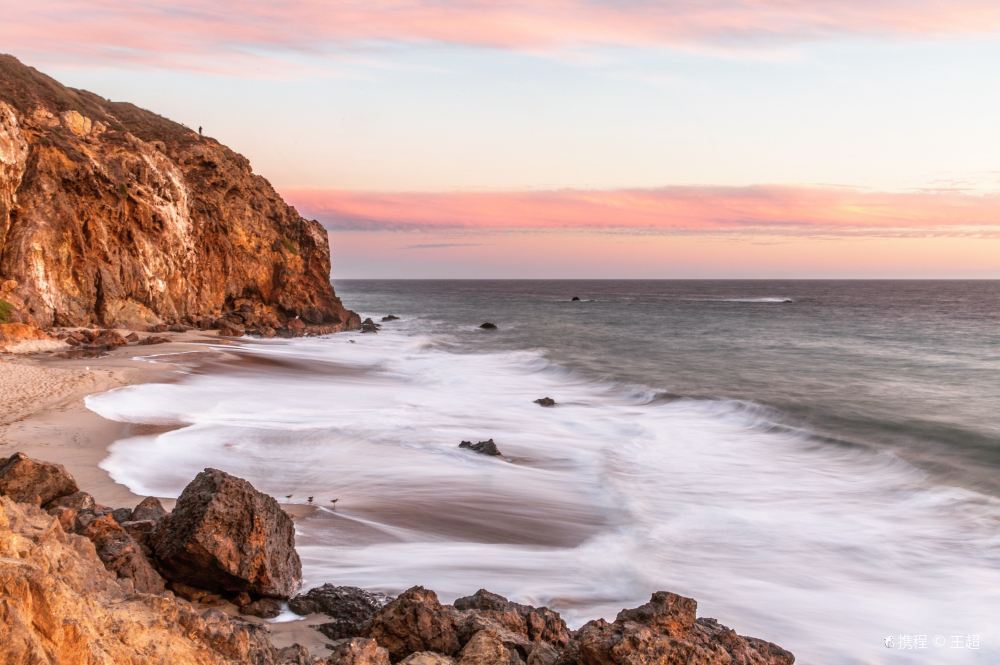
(816, 462)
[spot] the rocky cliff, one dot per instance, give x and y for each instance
(114, 216)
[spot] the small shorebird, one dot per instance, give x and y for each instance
(288, 496)
(310, 499)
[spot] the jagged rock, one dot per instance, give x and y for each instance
(149, 508)
(122, 515)
(14, 336)
(76, 500)
(427, 658)
(145, 222)
(132, 338)
(67, 508)
(153, 339)
(488, 325)
(664, 630)
(535, 624)
(108, 339)
(195, 594)
(358, 651)
(61, 605)
(486, 648)
(545, 401)
(415, 621)
(142, 533)
(294, 655)
(543, 653)
(369, 326)
(28, 480)
(227, 328)
(265, 608)
(226, 536)
(487, 447)
(122, 555)
(350, 607)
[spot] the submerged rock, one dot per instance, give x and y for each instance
(369, 326)
(487, 447)
(575, 299)
(27, 480)
(545, 401)
(226, 536)
(390, 317)
(488, 325)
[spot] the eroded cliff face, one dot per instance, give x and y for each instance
(111, 215)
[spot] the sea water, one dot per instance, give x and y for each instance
(815, 462)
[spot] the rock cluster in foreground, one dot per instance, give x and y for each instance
(85, 583)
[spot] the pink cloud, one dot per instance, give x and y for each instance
(185, 32)
(749, 211)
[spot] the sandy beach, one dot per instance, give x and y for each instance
(42, 412)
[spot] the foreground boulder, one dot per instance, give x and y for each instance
(545, 401)
(535, 624)
(27, 480)
(665, 630)
(415, 621)
(225, 536)
(61, 606)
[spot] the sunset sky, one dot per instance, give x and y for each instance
(575, 138)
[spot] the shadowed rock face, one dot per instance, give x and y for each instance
(114, 216)
(225, 536)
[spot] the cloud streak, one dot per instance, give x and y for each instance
(760, 211)
(200, 33)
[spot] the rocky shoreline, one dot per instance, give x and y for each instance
(86, 583)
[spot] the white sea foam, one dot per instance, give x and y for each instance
(598, 502)
(748, 300)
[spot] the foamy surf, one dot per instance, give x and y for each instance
(598, 502)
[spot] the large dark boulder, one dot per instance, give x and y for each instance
(27, 480)
(226, 536)
(350, 608)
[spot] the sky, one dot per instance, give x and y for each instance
(581, 138)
